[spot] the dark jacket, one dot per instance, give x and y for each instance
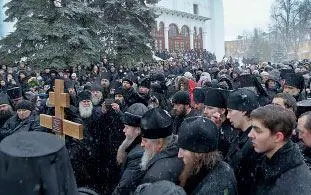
(130, 96)
(242, 157)
(131, 170)
(218, 180)
(226, 136)
(284, 173)
(307, 156)
(165, 165)
(14, 125)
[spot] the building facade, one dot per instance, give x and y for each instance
(190, 24)
(237, 48)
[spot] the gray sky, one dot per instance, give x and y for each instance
(245, 15)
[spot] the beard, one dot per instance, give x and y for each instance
(85, 112)
(147, 156)
(191, 167)
(122, 154)
(186, 173)
(96, 99)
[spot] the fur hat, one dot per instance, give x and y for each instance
(181, 97)
(156, 123)
(4, 99)
(243, 100)
(25, 105)
(198, 134)
(198, 95)
(84, 95)
(215, 98)
(133, 115)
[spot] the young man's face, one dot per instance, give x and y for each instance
(126, 85)
(236, 118)
(304, 133)
(210, 110)
(261, 137)
(278, 101)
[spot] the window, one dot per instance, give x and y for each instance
(195, 9)
(173, 31)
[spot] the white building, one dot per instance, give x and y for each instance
(190, 24)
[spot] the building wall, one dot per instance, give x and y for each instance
(236, 48)
(212, 29)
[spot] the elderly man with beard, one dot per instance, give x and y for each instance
(130, 152)
(84, 153)
(97, 96)
(204, 171)
(160, 160)
(181, 109)
(6, 110)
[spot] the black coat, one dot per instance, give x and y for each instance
(107, 136)
(131, 170)
(284, 173)
(130, 96)
(218, 180)
(307, 156)
(242, 158)
(165, 165)
(14, 125)
(226, 136)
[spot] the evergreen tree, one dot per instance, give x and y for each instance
(130, 23)
(61, 33)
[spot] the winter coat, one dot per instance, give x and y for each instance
(226, 136)
(242, 158)
(15, 125)
(284, 173)
(130, 96)
(4, 119)
(131, 170)
(165, 165)
(218, 180)
(106, 137)
(307, 156)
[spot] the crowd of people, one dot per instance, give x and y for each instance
(186, 124)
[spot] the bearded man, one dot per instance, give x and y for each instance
(6, 110)
(97, 95)
(144, 91)
(181, 109)
(204, 171)
(159, 161)
(130, 152)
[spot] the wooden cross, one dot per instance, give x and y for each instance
(58, 123)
